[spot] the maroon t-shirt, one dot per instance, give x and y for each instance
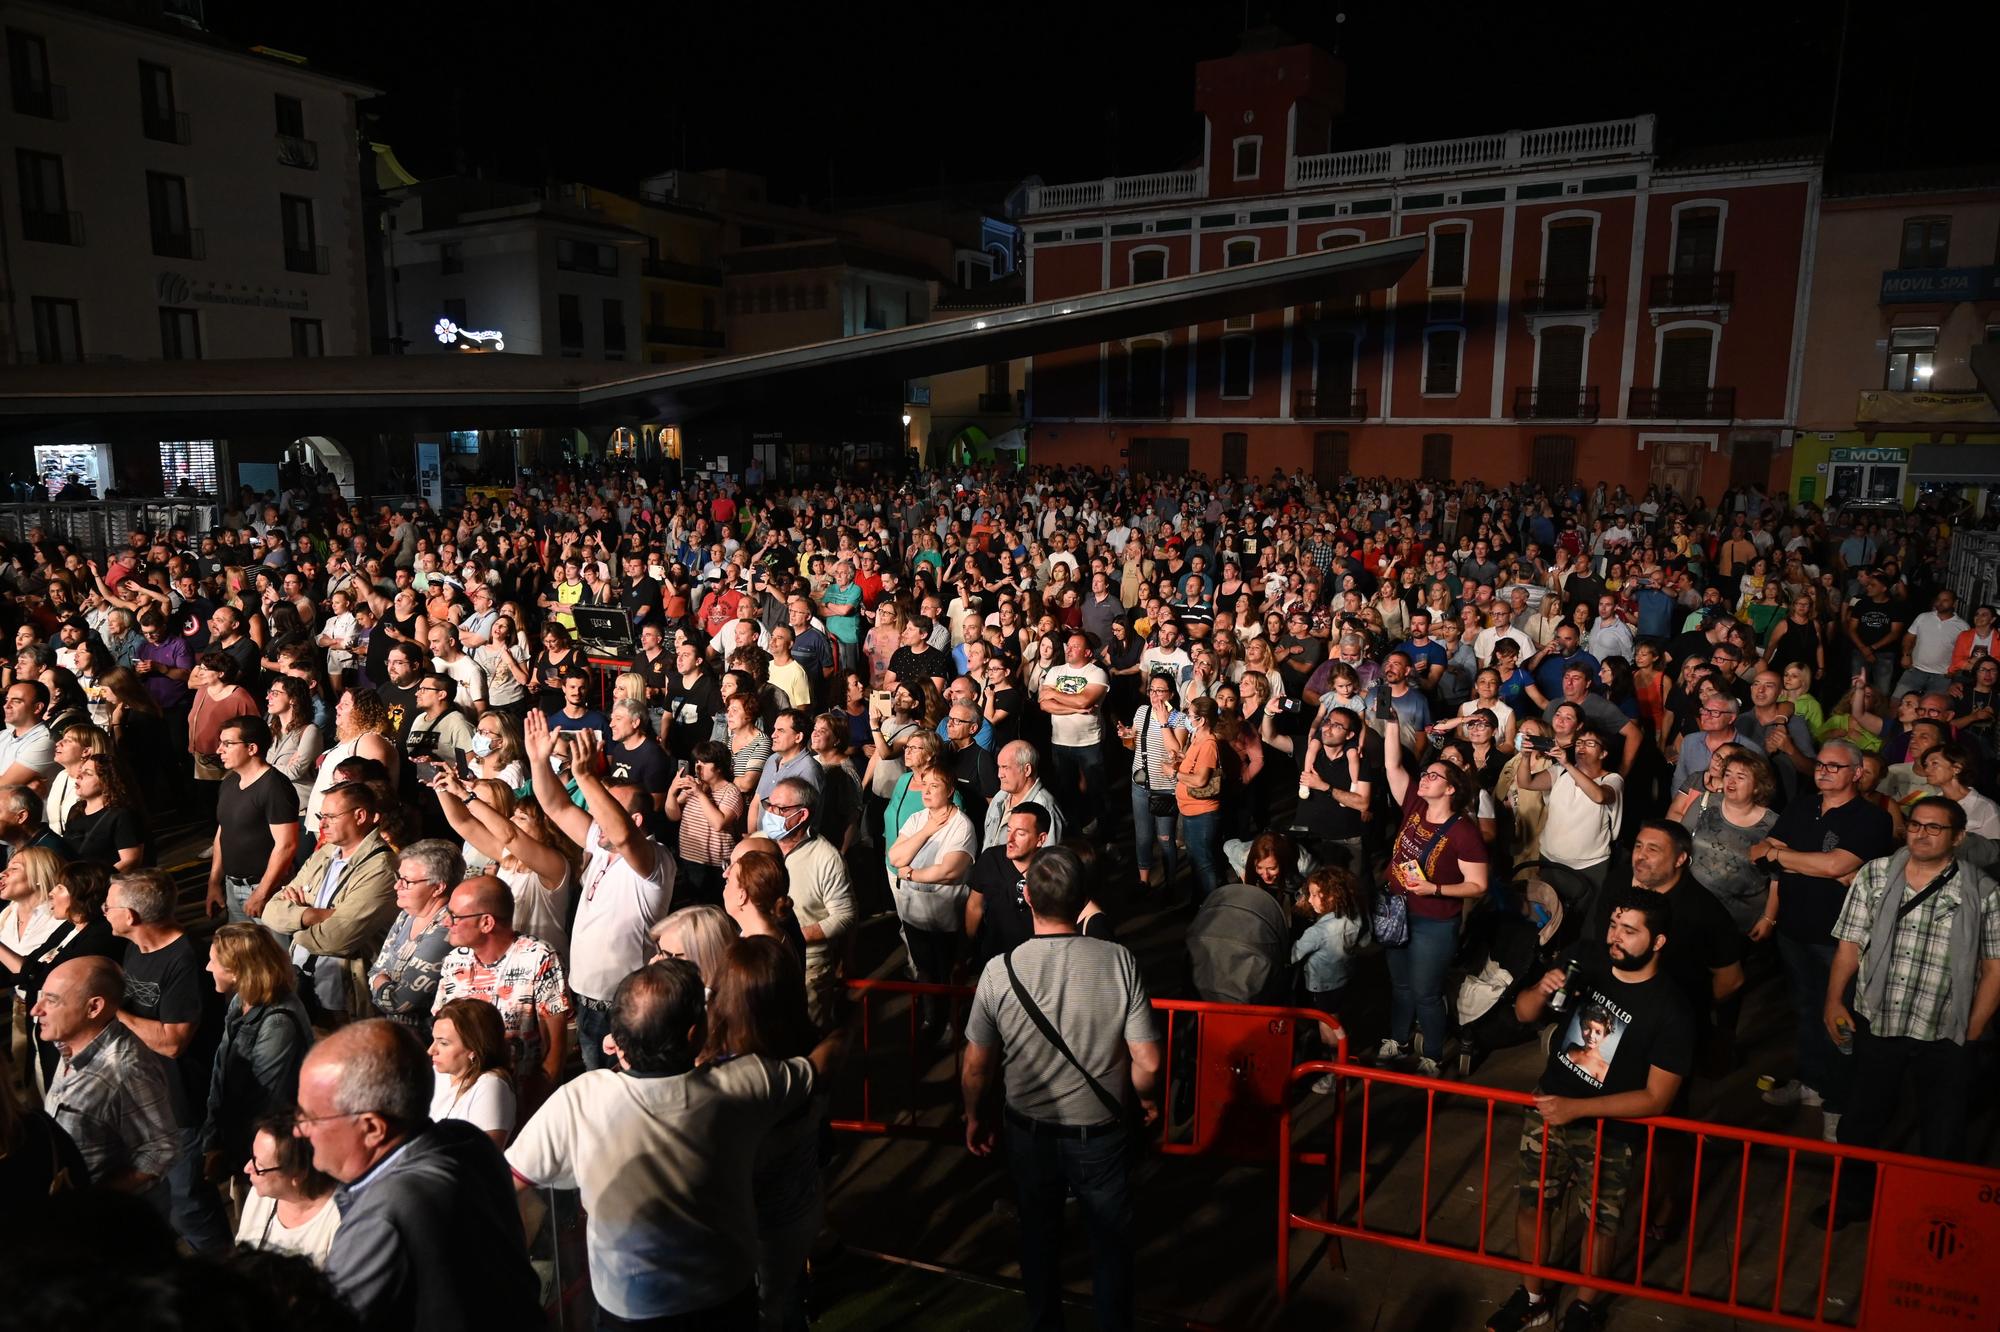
(1443, 858)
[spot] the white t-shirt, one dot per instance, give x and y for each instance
(36, 750)
(611, 936)
(936, 906)
(664, 1164)
(467, 675)
(1579, 831)
(261, 1229)
(1936, 639)
(539, 909)
(1077, 730)
(487, 1104)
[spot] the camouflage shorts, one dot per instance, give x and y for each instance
(1572, 1154)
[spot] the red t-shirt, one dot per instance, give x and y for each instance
(1443, 858)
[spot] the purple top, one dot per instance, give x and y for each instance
(175, 653)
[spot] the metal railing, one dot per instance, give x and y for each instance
(163, 126)
(53, 228)
(1632, 137)
(1701, 291)
(1562, 295)
(1684, 404)
(1754, 1170)
(1534, 403)
(674, 270)
(95, 526)
(312, 260)
(294, 151)
(1330, 404)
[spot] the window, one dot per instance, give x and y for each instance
(308, 339)
(614, 330)
(167, 206)
(1684, 358)
(44, 198)
(454, 310)
(1148, 265)
(1448, 257)
(180, 334)
(1697, 237)
(1236, 367)
(157, 116)
(656, 307)
(1249, 155)
(1750, 463)
(1236, 454)
(1239, 252)
(302, 251)
(188, 462)
(1441, 348)
(569, 325)
(28, 75)
(451, 258)
(1567, 260)
(1554, 462)
(1437, 458)
(58, 332)
(291, 117)
(1912, 359)
(1925, 241)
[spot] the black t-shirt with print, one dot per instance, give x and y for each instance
(691, 710)
(171, 984)
(1615, 1032)
(1808, 904)
(1701, 940)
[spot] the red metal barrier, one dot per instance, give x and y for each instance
(1242, 1057)
(1934, 1269)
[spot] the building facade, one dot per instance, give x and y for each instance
(1587, 307)
(1906, 282)
(173, 196)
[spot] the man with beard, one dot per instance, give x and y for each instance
(1626, 1042)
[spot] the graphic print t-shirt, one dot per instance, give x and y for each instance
(1615, 1032)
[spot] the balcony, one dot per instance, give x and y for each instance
(1482, 152)
(580, 262)
(1682, 404)
(296, 152)
(996, 403)
(1555, 404)
(54, 228)
(683, 337)
(162, 126)
(1330, 405)
(673, 270)
(1691, 291)
(44, 101)
(309, 259)
(1118, 191)
(188, 243)
(1562, 295)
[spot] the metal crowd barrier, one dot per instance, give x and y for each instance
(1927, 1257)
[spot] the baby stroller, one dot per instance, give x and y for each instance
(1502, 953)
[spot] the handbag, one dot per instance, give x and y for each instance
(1160, 804)
(1391, 917)
(1211, 788)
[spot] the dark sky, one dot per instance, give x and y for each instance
(871, 100)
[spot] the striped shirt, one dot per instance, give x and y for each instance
(1091, 992)
(1916, 1001)
(702, 843)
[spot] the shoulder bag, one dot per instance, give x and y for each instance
(1114, 1108)
(1390, 919)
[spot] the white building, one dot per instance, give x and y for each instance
(173, 196)
(476, 265)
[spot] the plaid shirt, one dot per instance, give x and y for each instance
(112, 1098)
(526, 982)
(1918, 957)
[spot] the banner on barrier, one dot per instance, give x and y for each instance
(1936, 1247)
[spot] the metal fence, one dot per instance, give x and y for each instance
(96, 527)
(1973, 566)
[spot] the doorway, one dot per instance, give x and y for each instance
(1677, 468)
(1330, 449)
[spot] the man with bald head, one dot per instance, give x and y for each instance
(429, 1235)
(518, 974)
(1019, 768)
(110, 1092)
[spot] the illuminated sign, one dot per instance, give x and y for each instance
(467, 339)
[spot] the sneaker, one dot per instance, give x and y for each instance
(1792, 1093)
(1521, 1310)
(1829, 1126)
(1428, 1068)
(1324, 1084)
(1581, 1317)
(1388, 1050)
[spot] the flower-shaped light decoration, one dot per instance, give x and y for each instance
(447, 332)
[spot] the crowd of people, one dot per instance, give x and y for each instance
(480, 898)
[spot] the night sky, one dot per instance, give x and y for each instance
(856, 102)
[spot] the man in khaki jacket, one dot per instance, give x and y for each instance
(339, 906)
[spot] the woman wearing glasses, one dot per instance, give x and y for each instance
(404, 979)
(290, 1208)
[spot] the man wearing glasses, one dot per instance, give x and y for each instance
(339, 906)
(1715, 726)
(1819, 843)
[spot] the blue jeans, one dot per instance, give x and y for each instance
(1820, 1065)
(1416, 982)
(1914, 681)
(1079, 782)
(1094, 1169)
(1151, 833)
(593, 1024)
(194, 1206)
(1199, 832)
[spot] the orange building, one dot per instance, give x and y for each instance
(1589, 306)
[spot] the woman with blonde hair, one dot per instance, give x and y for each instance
(265, 1035)
(700, 934)
(26, 923)
(74, 745)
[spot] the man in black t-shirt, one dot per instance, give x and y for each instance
(997, 917)
(654, 662)
(916, 658)
(171, 1006)
(256, 824)
(1623, 1043)
(405, 664)
(1704, 954)
(634, 757)
(693, 700)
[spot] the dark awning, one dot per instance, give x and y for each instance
(1968, 464)
(466, 392)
